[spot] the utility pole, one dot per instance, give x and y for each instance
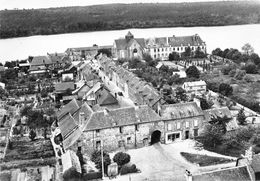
(102, 160)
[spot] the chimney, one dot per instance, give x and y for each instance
(188, 175)
(81, 118)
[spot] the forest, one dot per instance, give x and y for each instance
(28, 22)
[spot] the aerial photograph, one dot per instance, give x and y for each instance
(132, 90)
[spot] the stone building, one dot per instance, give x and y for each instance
(161, 47)
(195, 87)
(84, 129)
(129, 47)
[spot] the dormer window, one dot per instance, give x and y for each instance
(120, 129)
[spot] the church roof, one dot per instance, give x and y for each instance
(122, 44)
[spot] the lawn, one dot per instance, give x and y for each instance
(204, 160)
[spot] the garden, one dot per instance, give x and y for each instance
(204, 160)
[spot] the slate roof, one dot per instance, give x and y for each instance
(122, 44)
(112, 118)
(146, 114)
(40, 60)
(63, 86)
(86, 109)
(106, 98)
(56, 59)
(71, 108)
(161, 41)
(185, 40)
(181, 110)
(240, 173)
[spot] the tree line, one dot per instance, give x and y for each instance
(18, 23)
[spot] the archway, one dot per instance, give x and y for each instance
(156, 137)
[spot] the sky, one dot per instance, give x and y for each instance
(28, 4)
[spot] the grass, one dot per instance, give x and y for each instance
(204, 160)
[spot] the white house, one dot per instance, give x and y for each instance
(196, 87)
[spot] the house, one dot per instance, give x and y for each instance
(85, 52)
(99, 94)
(84, 128)
(196, 87)
(128, 47)
(161, 47)
(184, 121)
(222, 112)
(63, 88)
(40, 64)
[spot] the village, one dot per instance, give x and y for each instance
(140, 109)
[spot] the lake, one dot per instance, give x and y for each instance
(217, 36)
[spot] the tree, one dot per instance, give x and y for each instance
(241, 117)
(255, 58)
(217, 52)
(240, 74)
(225, 52)
(248, 49)
(32, 134)
(192, 71)
(211, 136)
(147, 57)
(232, 73)
(3, 93)
(174, 56)
(187, 52)
(71, 174)
(199, 54)
(181, 94)
(96, 158)
(204, 104)
(223, 121)
(121, 158)
(225, 89)
(251, 68)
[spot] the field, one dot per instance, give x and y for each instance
(16, 23)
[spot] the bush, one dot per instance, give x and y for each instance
(32, 134)
(128, 169)
(248, 78)
(93, 175)
(71, 173)
(232, 73)
(240, 74)
(121, 158)
(96, 158)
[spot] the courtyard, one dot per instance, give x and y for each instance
(164, 162)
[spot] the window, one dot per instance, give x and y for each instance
(136, 128)
(173, 49)
(97, 132)
(181, 48)
(169, 127)
(162, 49)
(120, 129)
(196, 132)
(178, 125)
(154, 50)
(98, 144)
(154, 56)
(195, 122)
(158, 49)
(165, 49)
(121, 143)
(178, 48)
(187, 124)
(129, 140)
(187, 134)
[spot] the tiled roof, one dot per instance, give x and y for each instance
(181, 110)
(161, 41)
(185, 40)
(112, 118)
(71, 108)
(63, 86)
(231, 174)
(106, 98)
(67, 125)
(195, 83)
(146, 114)
(56, 59)
(83, 109)
(217, 112)
(40, 60)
